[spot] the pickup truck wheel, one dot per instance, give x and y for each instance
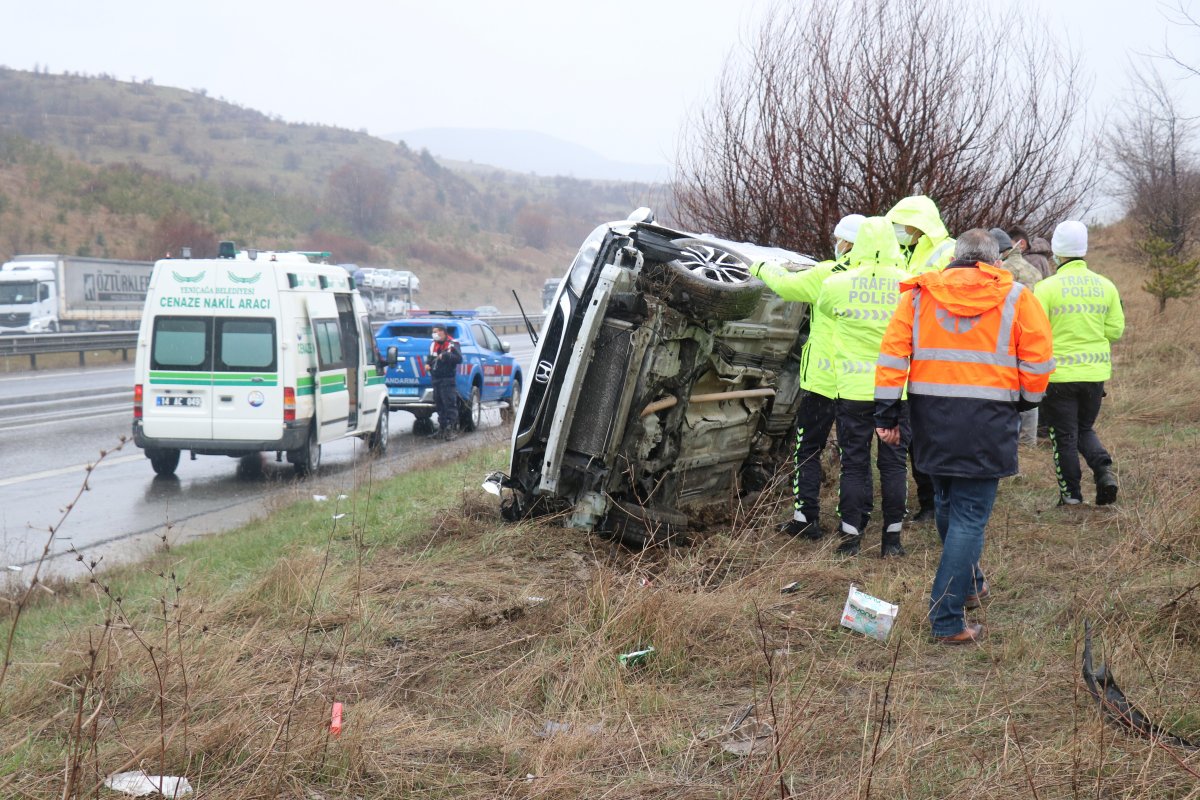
(472, 415)
(708, 281)
(423, 426)
(307, 459)
(509, 415)
(377, 442)
(163, 461)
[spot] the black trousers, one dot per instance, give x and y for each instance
(924, 487)
(814, 420)
(1070, 410)
(445, 398)
(855, 433)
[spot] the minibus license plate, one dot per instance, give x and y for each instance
(187, 402)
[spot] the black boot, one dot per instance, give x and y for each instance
(924, 514)
(1106, 487)
(806, 528)
(891, 542)
(851, 540)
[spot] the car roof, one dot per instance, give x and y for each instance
(439, 320)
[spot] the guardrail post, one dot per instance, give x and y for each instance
(33, 360)
(82, 362)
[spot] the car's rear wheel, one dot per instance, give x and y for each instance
(164, 462)
(377, 442)
(509, 414)
(708, 281)
(473, 416)
(307, 459)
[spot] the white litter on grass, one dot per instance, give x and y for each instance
(14, 567)
(869, 615)
(320, 498)
(342, 496)
(338, 516)
(534, 599)
(139, 784)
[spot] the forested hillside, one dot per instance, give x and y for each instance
(97, 166)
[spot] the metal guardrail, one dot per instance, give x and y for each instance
(35, 345)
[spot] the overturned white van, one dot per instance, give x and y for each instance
(252, 353)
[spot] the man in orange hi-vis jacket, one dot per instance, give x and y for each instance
(974, 349)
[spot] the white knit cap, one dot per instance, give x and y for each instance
(1070, 239)
(847, 229)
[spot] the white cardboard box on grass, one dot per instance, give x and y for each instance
(869, 615)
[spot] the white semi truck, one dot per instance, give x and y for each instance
(50, 293)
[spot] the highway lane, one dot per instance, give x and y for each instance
(47, 444)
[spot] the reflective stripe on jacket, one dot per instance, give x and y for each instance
(1086, 317)
(816, 359)
(970, 343)
(860, 302)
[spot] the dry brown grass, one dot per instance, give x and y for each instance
(454, 640)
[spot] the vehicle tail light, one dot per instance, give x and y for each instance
(289, 404)
(137, 401)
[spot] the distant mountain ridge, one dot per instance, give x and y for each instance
(527, 152)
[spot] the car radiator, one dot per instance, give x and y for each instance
(601, 390)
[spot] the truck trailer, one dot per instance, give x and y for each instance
(51, 293)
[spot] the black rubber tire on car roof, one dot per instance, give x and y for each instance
(709, 282)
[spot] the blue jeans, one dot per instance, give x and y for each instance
(963, 506)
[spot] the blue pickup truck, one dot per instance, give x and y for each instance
(488, 377)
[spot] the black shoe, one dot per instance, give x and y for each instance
(850, 545)
(450, 436)
(1106, 487)
(892, 547)
(809, 529)
(924, 514)
(436, 435)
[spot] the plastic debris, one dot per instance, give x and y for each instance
(338, 516)
(335, 720)
(534, 600)
(320, 498)
(139, 784)
(644, 582)
(791, 588)
(636, 658)
(745, 735)
(14, 568)
(342, 496)
(869, 615)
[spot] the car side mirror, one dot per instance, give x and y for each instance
(505, 347)
(393, 355)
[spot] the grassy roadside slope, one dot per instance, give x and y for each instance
(454, 640)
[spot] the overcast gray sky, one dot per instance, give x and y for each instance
(618, 77)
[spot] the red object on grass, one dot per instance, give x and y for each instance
(335, 720)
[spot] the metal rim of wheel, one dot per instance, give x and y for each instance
(715, 264)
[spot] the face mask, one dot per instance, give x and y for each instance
(841, 247)
(903, 236)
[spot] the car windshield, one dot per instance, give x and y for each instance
(18, 293)
(415, 331)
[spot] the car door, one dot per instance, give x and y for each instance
(331, 396)
(489, 364)
(178, 401)
(247, 393)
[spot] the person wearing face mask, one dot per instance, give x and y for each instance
(818, 382)
(928, 247)
(444, 357)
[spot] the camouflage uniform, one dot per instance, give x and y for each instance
(1022, 271)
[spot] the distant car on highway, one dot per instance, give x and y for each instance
(487, 311)
(488, 377)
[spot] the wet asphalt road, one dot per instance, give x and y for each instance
(54, 423)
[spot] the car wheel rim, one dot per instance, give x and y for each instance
(714, 264)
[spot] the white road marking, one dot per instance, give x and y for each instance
(70, 417)
(50, 473)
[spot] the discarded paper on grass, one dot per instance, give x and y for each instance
(139, 784)
(869, 615)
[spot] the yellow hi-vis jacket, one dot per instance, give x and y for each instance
(1086, 317)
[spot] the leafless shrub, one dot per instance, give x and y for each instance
(849, 106)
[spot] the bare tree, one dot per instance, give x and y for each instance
(1155, 162)
(849, 106)
(362, 196)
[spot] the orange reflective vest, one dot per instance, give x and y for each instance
(971, 345)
